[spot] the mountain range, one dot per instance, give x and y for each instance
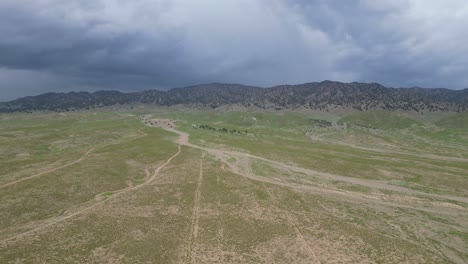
(316, 96)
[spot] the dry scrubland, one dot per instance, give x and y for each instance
(149, 186)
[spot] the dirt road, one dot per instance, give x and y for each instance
(183, 139)
(195, 216)
(115, 194)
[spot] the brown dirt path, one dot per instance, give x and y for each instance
(303, 242)
(195, 216)
(183, 139)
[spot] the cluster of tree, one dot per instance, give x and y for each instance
(320, 123)
(223, 129)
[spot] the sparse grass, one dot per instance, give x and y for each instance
(239, 220)
(289, 145)
(107, 194)
(231, 160)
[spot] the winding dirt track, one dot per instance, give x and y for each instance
(113, 196)
(183, 140)
(195, 216)
(376, 184)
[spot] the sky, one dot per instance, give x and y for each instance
(80, 45)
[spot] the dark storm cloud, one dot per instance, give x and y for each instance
(52, 45)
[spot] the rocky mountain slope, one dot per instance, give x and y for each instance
(323, 95)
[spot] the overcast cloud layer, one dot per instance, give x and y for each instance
(56, 45)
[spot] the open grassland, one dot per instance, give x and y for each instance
(151, 186)
(440, 166)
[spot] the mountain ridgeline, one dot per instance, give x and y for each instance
(316, 96)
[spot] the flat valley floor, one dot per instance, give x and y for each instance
(168, 185)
